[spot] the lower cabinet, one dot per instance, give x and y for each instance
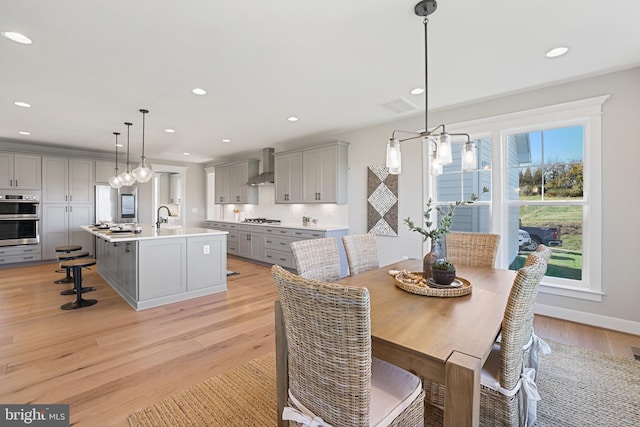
(61, 227)
(22, 253)
(152, 272)
(272, 244)
(251, 242)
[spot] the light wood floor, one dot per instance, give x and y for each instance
(107, 361)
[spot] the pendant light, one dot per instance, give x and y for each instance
(114, 181)
(126, 177)
(442, 153)
(143, 173)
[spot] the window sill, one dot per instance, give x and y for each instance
(570, 291)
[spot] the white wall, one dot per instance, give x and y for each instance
(620, 306)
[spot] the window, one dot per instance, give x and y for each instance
(543, 169)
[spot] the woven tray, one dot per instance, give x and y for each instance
(465, 289)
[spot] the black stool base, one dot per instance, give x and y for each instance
(73, 291)
(79, 303)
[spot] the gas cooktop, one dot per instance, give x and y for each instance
(262, 221)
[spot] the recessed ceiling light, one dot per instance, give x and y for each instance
(226, 140)
(199, 91)
(170, 130)
(22, 104)
(293, 118)
(417, 91)
(17, 37)
(557, 51)
(186, 154)
(24, 133)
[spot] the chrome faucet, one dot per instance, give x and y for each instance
(158, 215)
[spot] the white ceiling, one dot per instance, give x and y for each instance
(95, 63)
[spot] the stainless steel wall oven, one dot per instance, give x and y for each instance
(19, 219)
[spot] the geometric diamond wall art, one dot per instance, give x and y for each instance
(382, 201)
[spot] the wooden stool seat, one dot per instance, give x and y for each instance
(69, 248)
(77, 265)
(65, 256)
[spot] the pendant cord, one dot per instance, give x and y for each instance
(128, 127)
(143, 114)
(116, 134)
(426, 77)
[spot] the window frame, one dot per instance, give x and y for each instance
(585, 112)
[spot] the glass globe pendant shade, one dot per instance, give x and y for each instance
(444, 150)
(114, 181)
(127, 179)
(394, 158)
(143, 173)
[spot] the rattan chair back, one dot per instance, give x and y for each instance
(329, 343)
(362, 252)
(474, 249)
(518, 318)
(317, 259)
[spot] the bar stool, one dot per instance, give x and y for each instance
(69, 256)
(77, 265)
(65, 249)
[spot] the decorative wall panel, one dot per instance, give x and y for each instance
(382, 201)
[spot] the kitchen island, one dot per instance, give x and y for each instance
(162, 266)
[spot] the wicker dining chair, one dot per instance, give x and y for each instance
(503, 401)
(317, 259)
(474, 249)
(333, 379)
(362, 252)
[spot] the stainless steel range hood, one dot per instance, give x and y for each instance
(266, 177)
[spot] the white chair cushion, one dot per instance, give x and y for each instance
(392, 391)
(490, 375)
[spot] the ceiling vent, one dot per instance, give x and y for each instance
(266, 177)
(401, 106)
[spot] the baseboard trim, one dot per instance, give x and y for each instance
(621, 325)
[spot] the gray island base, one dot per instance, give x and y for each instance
(158, 267)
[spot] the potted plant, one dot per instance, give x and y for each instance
(444, 272)
(430, 231)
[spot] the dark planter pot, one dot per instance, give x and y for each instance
(442, 277)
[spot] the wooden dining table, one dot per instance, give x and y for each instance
(443, 339)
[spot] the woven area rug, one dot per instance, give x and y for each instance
(579, 388)
(244, 396)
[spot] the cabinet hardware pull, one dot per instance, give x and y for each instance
(16, 183)
(10, 185)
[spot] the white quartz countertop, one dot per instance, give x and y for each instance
(297, 226)
(151, 232)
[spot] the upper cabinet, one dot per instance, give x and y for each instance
(314, 175)
(288, 177)
(67, 180)
(231, 183)
(20, 171)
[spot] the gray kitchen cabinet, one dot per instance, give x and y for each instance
(277, 247)
(20, 171)
(231, 183)
(288, 177)
(312, 175)
(60, 226)
(162, 267)
(251, 242)
(202, 253)
(67, 180)
(67, 203)
(325, 174)
(232, 237)
(117, 263)
(14, 254)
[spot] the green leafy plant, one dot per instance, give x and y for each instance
(446, 218)
(443, 265)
